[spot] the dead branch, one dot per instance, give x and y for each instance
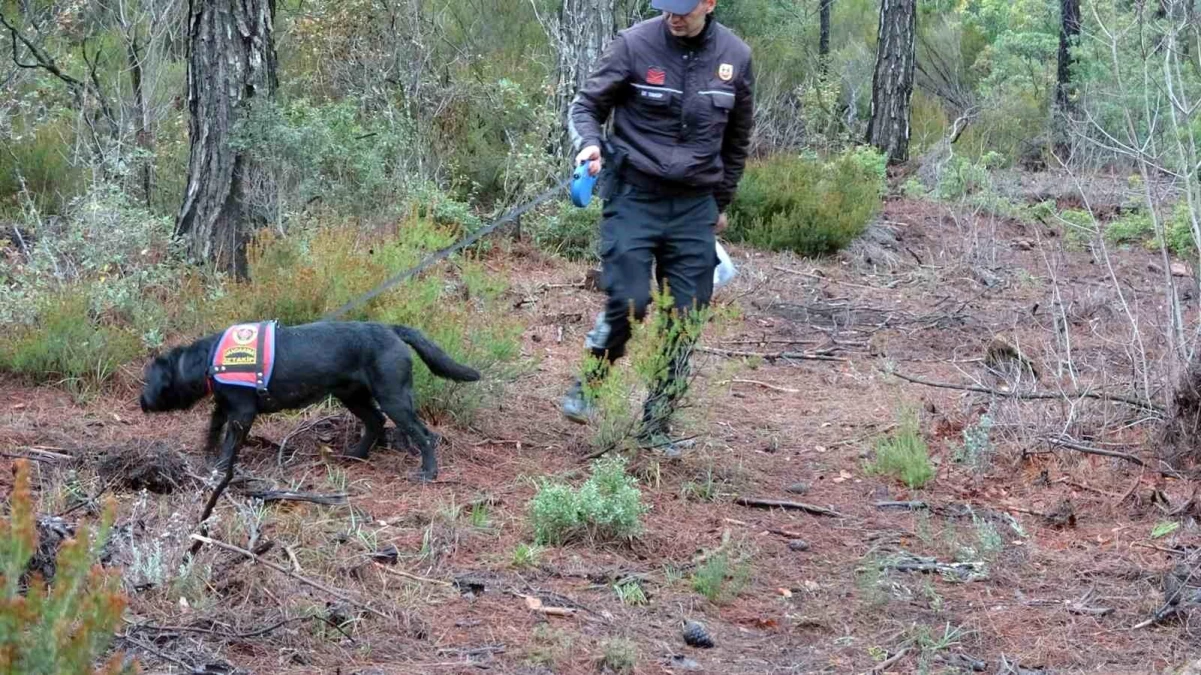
(486, 650)
(890, 661)
(287, 496)
(219, 633)
(308, 582)
(912, 506)
(787, 356)
(756, 502)
(782, 390)
(1035, 396)
(414, 577)
(1080, 447)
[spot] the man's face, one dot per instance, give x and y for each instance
(691, 24)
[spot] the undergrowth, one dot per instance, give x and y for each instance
(65, 626)
(805, 205)
(904, 454)
(607, 507)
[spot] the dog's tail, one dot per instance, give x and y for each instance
(439, 362)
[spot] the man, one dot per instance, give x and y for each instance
(679, 87)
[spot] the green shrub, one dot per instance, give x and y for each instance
(65, 627)
(807, 206)
(1134, 228)
(904, 454)
(569, 232)
(68, 345)
(35, 158)
(607, 506)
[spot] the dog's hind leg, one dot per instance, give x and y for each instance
(402, 411)
(373, 423)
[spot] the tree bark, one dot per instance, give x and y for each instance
(823, 45)
(892, 82)
(1069, 35)
(231, 63)
(581, 30)
(144, 134)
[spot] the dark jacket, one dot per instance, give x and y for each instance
(682, 108)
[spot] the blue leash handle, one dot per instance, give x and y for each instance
(581, 185)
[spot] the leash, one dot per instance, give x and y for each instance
(461, 244)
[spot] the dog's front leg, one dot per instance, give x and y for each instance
(216, 425)
(235, 434)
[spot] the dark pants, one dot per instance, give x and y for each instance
(676, 235)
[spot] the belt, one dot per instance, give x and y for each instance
(659, 186)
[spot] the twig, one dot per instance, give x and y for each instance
(1033, 396)
(756, 502)
(890, 661)
(1173, 551)
(291, 551)
(913, 506)
(286, 496)
(218, 633)
(166, 657)
(1082, 486)
(1079, 447)
(414, 577)
(765, 385)
(793, 356)
(282, 570)
(13, 455)
(486, 650)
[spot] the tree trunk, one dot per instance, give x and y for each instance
(231, 62)
(892, 82)
(1069, 36)
(581, 30)
(823, 45)
(144, 134)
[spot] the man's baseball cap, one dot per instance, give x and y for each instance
(675, 6)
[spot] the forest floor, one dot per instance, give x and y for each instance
(1023, 556)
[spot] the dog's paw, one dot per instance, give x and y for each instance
(357, 452)
(423, 476)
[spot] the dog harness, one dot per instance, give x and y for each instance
(244, 356)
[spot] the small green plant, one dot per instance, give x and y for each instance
(526, 555)
(479, 515)
(904, 455)
(62, 627)
(630, 593)
(608, 506)
(705, 489)
(803, 205)
(620, 656)
(721, 578)
(977, 448)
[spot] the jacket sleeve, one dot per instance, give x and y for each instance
(596, 97)
(736, 143)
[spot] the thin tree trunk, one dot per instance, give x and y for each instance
(892, 82)
(823, 45)
(1069, 36)
(144, 134)
(231, 63)
(582, 28)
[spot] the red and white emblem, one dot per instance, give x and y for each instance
(655, 76)
(245, 334)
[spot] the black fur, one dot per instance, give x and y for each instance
(358, 363)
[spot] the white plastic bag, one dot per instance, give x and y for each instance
(725, 269)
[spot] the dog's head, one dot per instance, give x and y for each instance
(169, 385)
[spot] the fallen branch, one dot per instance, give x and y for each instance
(1088, 449)
(890, 661)
(1034, 396)
(414, 577)
(220, 633)
(912, 506)
(756, 502)
(286, 496)
(765, 385)
(290, 573)
(486, 650)
(774, 356)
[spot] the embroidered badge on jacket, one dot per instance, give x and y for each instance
(656, 76)
(725, 72)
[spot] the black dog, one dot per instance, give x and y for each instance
(358, 363)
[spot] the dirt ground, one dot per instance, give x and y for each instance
(1022, 556)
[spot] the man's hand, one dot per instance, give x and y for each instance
(593, 153)
(721, 222)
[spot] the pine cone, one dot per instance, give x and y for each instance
(695, 635)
